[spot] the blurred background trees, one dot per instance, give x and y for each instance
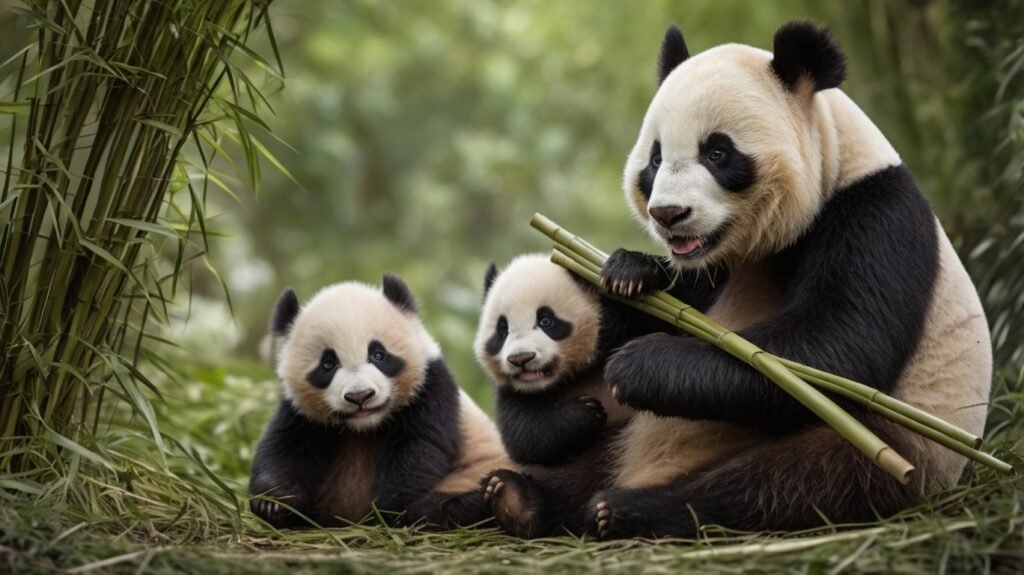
(425, 134)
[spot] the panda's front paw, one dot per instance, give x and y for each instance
(632, 274)
(636, 373)
(271, 511)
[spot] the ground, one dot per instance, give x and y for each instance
(186, 513)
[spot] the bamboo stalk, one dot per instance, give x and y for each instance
(855, 432)
(576, 254)
(703, 324)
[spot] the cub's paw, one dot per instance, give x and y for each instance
(608, 516)
(594, 408)
(632, 274)
(515, 502)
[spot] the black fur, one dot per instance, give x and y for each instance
(697, 288)
(673, 52)
(860, 285)
(398, 293)
(285, 312)
(645, 181)
(489, 276)
(777, 486)
(804, 48)
(322, 375)
(551, 500)
(543, 428)
(734, 170)
(416, 448)
(390, 365)
(558, 329)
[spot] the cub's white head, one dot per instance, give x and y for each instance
(354, 354)
(538, 324)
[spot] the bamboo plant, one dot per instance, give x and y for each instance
(116, 111)
(803, 382)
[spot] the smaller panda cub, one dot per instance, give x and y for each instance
(370, 417)
(543, 338)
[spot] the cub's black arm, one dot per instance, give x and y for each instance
(538, 428)
(860, 284)
(288, 466)
(421, 443)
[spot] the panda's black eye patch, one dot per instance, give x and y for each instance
(731, 168)
(645, 181)
(321, 376)
(388, 363)
(555, 327)
(497, 339)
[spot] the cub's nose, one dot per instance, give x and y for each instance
(669, 216)
(359, 397)
(522, 358)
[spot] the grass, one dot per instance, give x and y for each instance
(192, 515)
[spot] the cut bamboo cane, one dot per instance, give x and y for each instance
(854, 431)
(695, 320)
(858, 392)
(576, 254)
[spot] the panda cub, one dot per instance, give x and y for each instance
(370, 417)
(543, 337)
(754, 169)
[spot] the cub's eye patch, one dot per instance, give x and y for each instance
(497, 339)
(555, 327)
(645, 181)
(321, 375)
(731, 168)
(388, 363)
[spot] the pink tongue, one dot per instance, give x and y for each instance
(681, 247)
(530, 376)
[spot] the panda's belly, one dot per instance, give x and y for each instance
(654, 450)
(347, 490)
(950, 373)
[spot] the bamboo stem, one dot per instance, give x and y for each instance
(575, 254)
(854, 431)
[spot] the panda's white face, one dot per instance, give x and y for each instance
(352, 357)
(727, 165)
(537, 326)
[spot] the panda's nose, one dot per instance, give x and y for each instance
(669, 216)
(360, 397)
(522, 358)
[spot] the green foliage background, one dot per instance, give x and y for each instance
(428, 133)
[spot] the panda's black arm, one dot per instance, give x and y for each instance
(544, 429)
(859, 290)
(289, 463)
(421, 444)
(628, 273)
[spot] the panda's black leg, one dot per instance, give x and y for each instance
(439, 510)
(631, 274)
(791, 483)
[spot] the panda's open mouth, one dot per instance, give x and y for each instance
(693, 247)
(360, 413)
(531, 376)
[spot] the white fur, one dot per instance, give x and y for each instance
(527, 283)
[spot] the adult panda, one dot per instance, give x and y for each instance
(790, 219)
(370, 418)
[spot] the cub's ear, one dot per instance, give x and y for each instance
(398, 293)
(802, 48)
(673, 52)
(489, 276)
(285, 311)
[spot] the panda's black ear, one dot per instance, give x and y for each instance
(673, 52)
(803, 48)
(489, 276)
(398, 293)
(285, 311)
